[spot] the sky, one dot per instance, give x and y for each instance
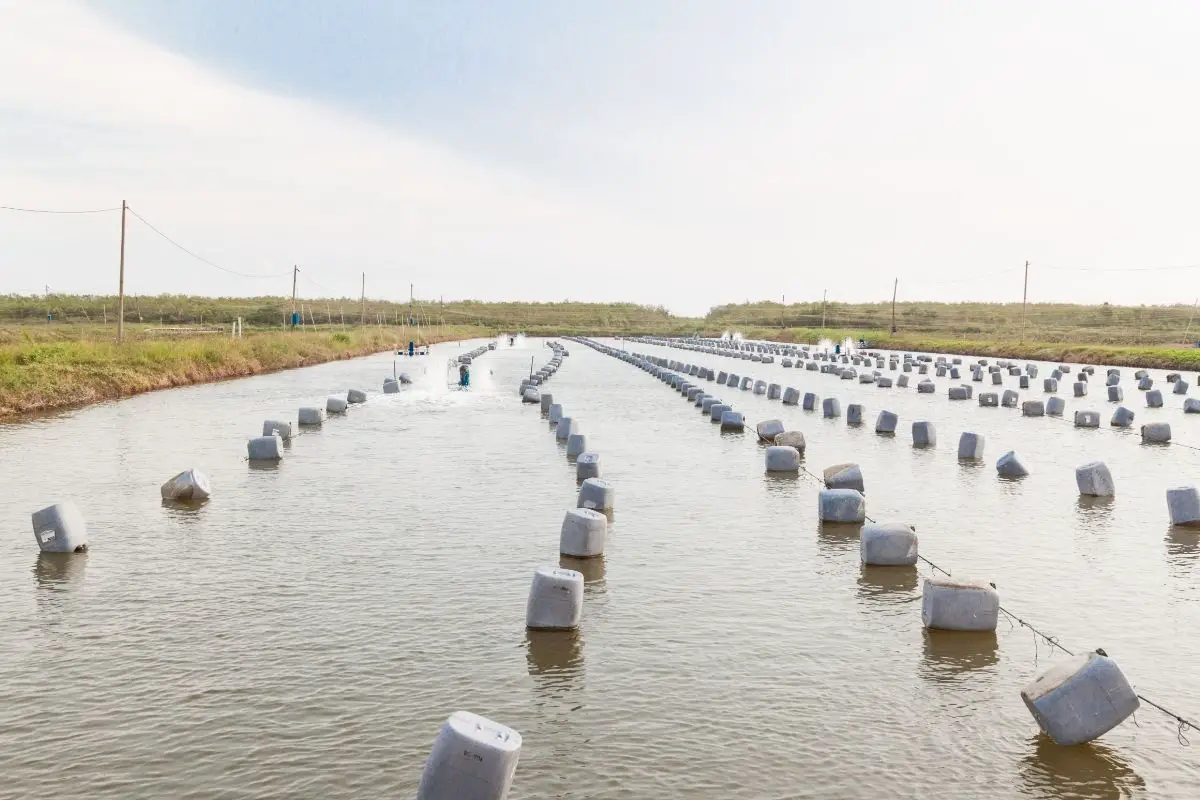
(684, 153)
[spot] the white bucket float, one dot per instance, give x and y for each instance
(1115, 394)
(583, 533)
(264, 448)
(831, 407)
(1050, 385)
(844, 476)
(1023, 382)
(556, 413)
(1183, 505)
(854, 414)
(926, 387)
(960, 393)
(841, 505)
(923, 434)
(883, 382)
(546, 400)
(1094, 479)
(989, 399)
(717, 411)
(970, 445)
(60, 528)
(312, 416)
(886, 422)
(774, 391)
(1080, 388)
(1181, 386)
(706, 405)
(596, 494)
(793, 439)
(791, 396)
(956, 604)
(769, 429)
(576, 444)
(1010, 466)
(1154, 399)
(189, 486)
(391, 386)
(1056, 406)
(472, 758)
(693, 393)
(1191, 406)
(1156, 433)
(887, 544)
(1033, 408)
(587, 465)
(1087, 419)
(997, 379)
(760, 387)
(781, 458)
(1080, 699)
(566, 426)
(902, 382)
(810, 401)
(1009, 399)
(732, 421)
(531, 396)
(1121, 418)
(555, 599)
(1145, 383)
(274, 427)
(356, 396)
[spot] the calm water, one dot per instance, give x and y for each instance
(306, 632)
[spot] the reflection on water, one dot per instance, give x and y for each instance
(56, 571)
(1086, 772)
(888, 585)
(838, 538)
(555, 662)
(592, 569)
(949, 656)
(1095, 508)
(184, 513)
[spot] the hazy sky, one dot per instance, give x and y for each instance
(676, 152)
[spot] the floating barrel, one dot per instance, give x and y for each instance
(831, 407)
(883, 382)
(887, 544)
(1181, 387)
(472, 758)
(391, 386)
(1010, 466)
(1094, 479)
(1033, 408)
(989, 399)
(841, 505)
(774, 391)
(954, 604)
(356, 396)
(556, 413)
(555, 599)
(576, 444)
(923, 434)
(1121, 418)
(1191, 406)
(583, 533)
(810, 401)
(760, 387)
(1154, 399)
(546, 400)
(264, 448)
(854, 414)
(1156, 433)
(781, 458)
(960, 393)
(844, 476)
(1087, 419)
(717, 411)
(1115, 394)
(1009, 399)
(312, 416)
(274, 427)
(60, 528)
(1050, 385)
(793, 439)
(1183, 504)
(566, 426)
(926, 387)
(1145, 383)
(769, 429)
(970, 445)
(902, 382)
(706, 405)
(587, 465)
(791, 396)
(189, 486)
(732, 421)
(1080, 388)
(886, 422)
(531, 396)
(1055, 406)
(596, 494)
(1080, 698)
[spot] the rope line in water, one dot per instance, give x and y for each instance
(1182, 723)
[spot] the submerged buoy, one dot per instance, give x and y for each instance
(356, 396)
(1010, 466)
(264, 448)
(844, 476)
(970, 445)
(1080, 698)
(274, 427)
(1094, 479)
(189, 486)
(60, 528)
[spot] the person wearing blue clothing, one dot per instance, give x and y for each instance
(464, 376)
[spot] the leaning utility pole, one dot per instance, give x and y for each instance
(895, 286)
(121, 282)
(295, 274)
(364, 300)
(824, 293)
(1025, 303)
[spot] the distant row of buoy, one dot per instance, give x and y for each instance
(1073, 702)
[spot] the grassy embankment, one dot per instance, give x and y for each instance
(49, 369)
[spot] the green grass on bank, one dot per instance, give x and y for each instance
(39, 373)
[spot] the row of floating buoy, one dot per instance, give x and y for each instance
(1183, 503)
(1073, 702)
(473, 757)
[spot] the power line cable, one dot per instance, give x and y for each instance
(59, 211)
(200, 258)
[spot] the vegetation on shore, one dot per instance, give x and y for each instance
(40, 373)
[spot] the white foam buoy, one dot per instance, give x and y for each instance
(774, 391)
(923, 434)
(1080, 388)
(587, 465)
(189, 486)
(1121, 418)
(1050, 385)
(902, 382)
(769, 429)
(555, 599)
(926, 387)
(1181, 387)
(793, 439)
(1010, 466)
(1080, 698)
(356, 396)
(887, 544)
(791, 396)
(1009, 399)
(732, 421)
(960, 393)
(831, 407)
(1154, 399)
(274, 427)
(854, 414)
(844, 476)
(1087, 419)
(955, 604)
(596, 494)
(336, 405)
(1033, 408)
(472, 758)
(989, 399)
(583, 533)
(556, 413)
(264, 448)
(60, 528)
(841, 505)
(810, 401)
(391, 386)
(1191, 406)
(717, 411)
(1156, 433)
(312, 416)
(531, 396)
(566, 426)
(886, 422)
(1094, 479)
(781, 458)
(1055, 406)
(1183, 505)
(546, 401)
(576, 444)
(970, 445)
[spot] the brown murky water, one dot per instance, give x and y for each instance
(305, 633)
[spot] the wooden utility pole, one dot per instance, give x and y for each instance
(364, 300)
(895, 286)
(121, 282)
(295, 274)
(1025, 303)
(824, 293)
